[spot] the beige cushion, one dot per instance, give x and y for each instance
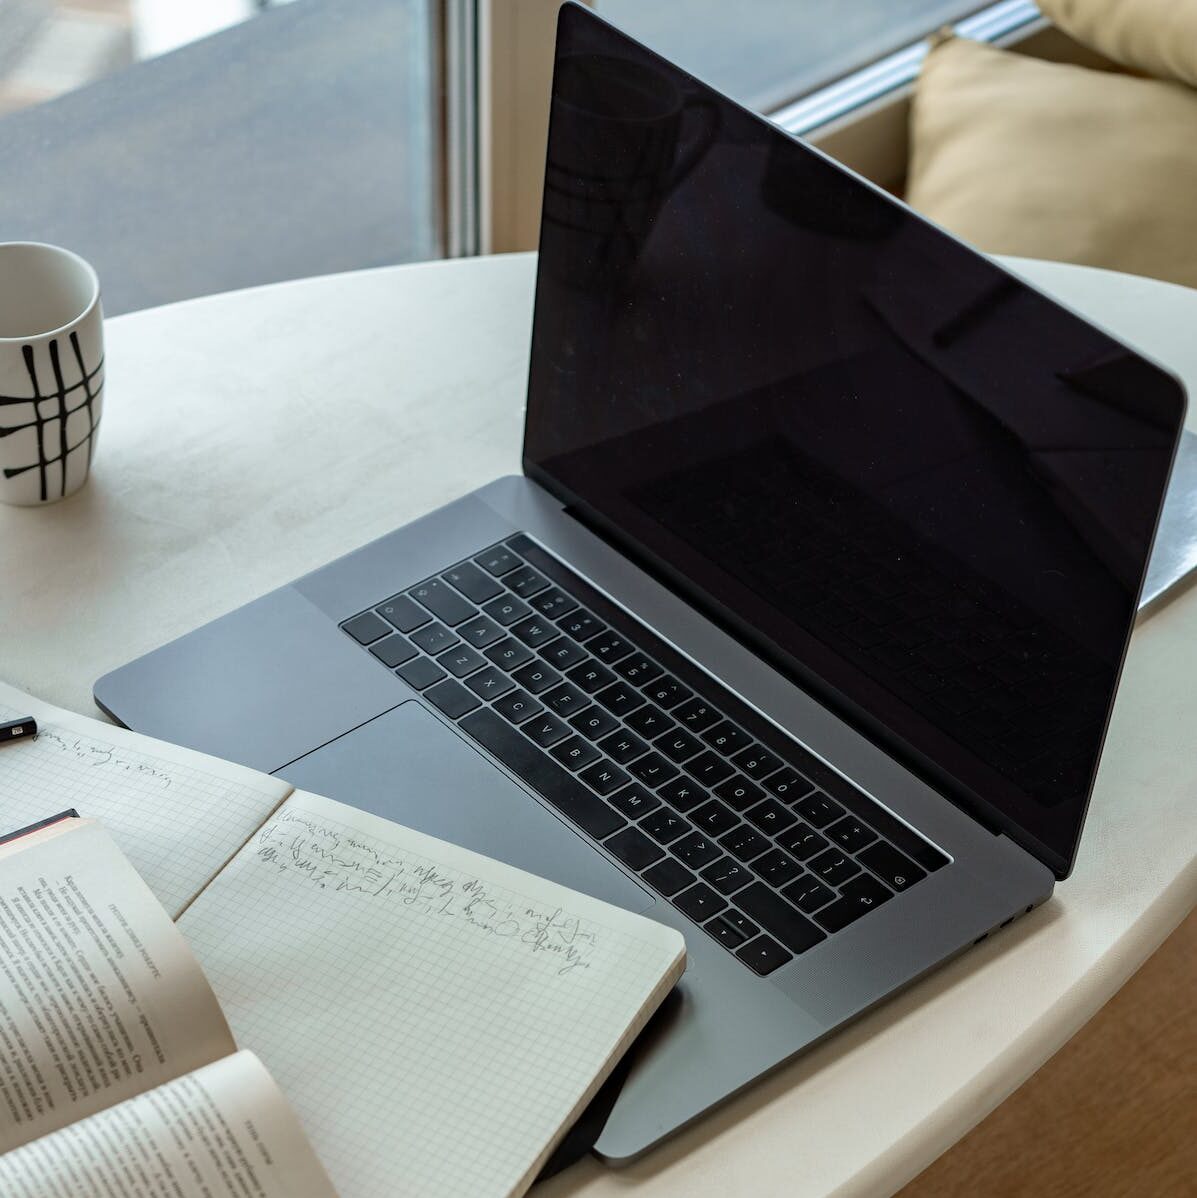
(1156, 36)
(1021, 156)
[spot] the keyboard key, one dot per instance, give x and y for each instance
(637, 669)
(545, 729)
(366, 628)
(434, 638)
(553, 603)
(507, 609)
(763, 955)
(817, 809)
(724, 931)
(535, 677)
(776, 868)
(714, 818)
(788, 785)
(636, 800)
(779, 918)
(604, 776)
(461, 661)
(489, 683)
(525, 582)
(664, 825)
(700, 902)
(518, 706)
(803, 842)
(634, 849)
(581, 625)
(833, 867)
(708, 768)
(726, 875)
(593, 723)
(480, 632)
(667, 691)
(565, 699)
(740, 922)
(744, 843)
(563, 653)
(590, 676)
(403, 613)
(619, 698)
(393, 650)
(443, 601)
(609, 647)
(575, 753)
(623, 747)
(508, 654)
(757, 762)
(808, 894)
(696, 850)
(649, 721)
(534, 631)
(497, 561)
(678, 745)
(682, 794)
(668, 877)
(726, 738)
(891, 866)
(652, 769)
(420, 673)
(770, 816)
(857, 898)
(849, 833)
(452, 698)
(697, 715)
(739, 792)
(560, 788)
(472, 583)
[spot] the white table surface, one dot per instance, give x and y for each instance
(252, 436)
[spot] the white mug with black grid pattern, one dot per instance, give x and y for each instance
(51, 371)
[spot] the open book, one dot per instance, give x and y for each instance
(438, 1020)
(119, 1074)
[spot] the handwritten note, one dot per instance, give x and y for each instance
(178, 815)
(435, 1017)
(339, 859)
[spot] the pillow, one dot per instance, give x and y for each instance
(1044, 160)
(1156, 36)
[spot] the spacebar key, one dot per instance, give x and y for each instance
(542, 773)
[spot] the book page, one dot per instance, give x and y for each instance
(100, 997)
(223, 1131)
(178, 815)
(437, 1018)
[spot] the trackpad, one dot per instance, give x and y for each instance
(406, 766)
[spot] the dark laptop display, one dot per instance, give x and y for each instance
(733, 341)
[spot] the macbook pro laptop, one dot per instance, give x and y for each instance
(800, 629)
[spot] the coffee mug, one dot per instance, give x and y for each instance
(51, 371)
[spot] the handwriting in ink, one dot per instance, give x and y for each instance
(97, 754)
(342, 861)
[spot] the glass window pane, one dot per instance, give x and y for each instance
(768, 52)
(301, 140)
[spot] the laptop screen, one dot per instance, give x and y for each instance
(924, 490)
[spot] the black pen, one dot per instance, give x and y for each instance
(23, 729)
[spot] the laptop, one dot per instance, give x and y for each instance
(799, 630)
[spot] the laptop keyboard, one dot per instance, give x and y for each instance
(737, 825)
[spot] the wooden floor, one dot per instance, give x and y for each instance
(1112, 1115)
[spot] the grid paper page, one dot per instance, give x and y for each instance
(435, 1017)
(178, 815)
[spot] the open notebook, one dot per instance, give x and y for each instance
(437, 1019)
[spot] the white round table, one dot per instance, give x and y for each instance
(252, 436)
